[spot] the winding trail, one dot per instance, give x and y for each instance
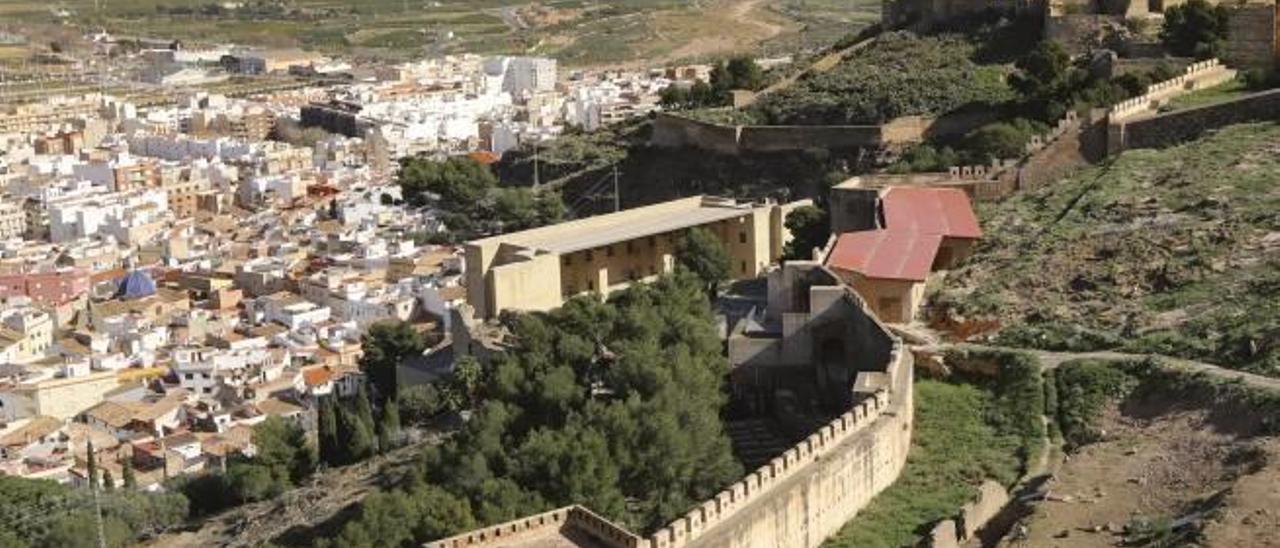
(1052, 360)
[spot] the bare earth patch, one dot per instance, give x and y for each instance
(1160, 464)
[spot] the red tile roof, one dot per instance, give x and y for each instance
(316, 376)
(484, 157)
(886, 254)
(944, 211)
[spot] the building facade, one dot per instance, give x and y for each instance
(539, 269)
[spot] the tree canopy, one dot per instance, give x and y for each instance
(739, 72)
(1195, 29)
(284, 458)
(386, 345)
(45, 513)
(470, 200)
(810, 228)
(703, 254)
(613, 405)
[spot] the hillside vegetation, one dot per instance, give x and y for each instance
(1173, 251)
(613, 405)
(900, 75)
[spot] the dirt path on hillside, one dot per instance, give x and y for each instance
(722, 22)
(746, 13)
(721, 39)
(1051, 360)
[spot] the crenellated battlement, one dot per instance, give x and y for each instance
(761, 482)
(574, 518)
(1199, 75)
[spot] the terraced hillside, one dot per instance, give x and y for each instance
(1174, 252)
(579, 32)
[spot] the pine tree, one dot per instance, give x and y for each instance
(364, 411)
(327, 427)
(108, 482)
(389, 426)
(356, 435)
(127, 475)
(92, 465)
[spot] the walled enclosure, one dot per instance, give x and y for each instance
(1126, 117)
(1185, 125)
(809, 492)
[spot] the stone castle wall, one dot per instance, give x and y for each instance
(674, 131)
(1134, 123)
(806, 495)
(1185, 125)
(1201, 75)
(571, 518)
(796, 500)
(1252, 40)
(1000, 178)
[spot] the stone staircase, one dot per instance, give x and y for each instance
(756, 441)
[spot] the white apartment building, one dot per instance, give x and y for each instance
(26, 333)
(521, 75)
(202, 370)
(133, 217)
(293, 311)
(13, 220)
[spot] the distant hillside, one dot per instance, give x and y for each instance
(1174, 251)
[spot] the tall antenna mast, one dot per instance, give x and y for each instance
(97, 504)
(617, 202)
(535, 162)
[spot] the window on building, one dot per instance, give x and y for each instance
(591, 286)
(190, 376)
(742, 237)
(631, 250)
(589, 256)
(608, 251)
(568, 260)
(652, 242)
(743, 267)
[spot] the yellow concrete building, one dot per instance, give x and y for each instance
(538, 269)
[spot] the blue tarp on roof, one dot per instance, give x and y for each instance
(136, 285)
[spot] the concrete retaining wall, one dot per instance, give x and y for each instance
(991, 499)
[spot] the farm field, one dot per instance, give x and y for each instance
(621, 33)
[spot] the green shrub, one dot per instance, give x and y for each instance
(899, 75)
(1002, 140)
(1196, 28)
(1057, 337)
(1018, 401)
(1084, 387)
